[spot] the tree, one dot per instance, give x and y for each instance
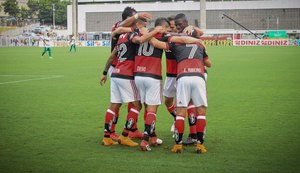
(61, 13)
(46, 11)
(33, 6)
(11, 7)
(24, 13)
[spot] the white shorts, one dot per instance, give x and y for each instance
(150, 90)
(123, 90)
(191, 88)
(170, 87)
(110, 70)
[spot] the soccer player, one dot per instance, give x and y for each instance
(148, 79)
(171, 70)
(191, 59)
(47, 44)
(182, 26)
(129, 16)
(72, 43)
(123, 89)
(169, 91)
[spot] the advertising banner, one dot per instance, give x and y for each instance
(266, 42)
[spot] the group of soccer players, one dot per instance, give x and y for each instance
(135, 72)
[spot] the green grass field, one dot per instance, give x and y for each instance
(52, 115)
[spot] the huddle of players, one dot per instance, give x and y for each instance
(136, 79)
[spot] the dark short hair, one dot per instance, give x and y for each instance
(128, 12)
(180, 16)
(170, 18)
(160, 21)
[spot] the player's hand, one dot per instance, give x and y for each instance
(201, 42)
(143, 30)
(103, 80)
(145, 15)
(188, 30)
(159, 29)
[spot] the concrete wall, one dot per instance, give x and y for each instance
(252, 14)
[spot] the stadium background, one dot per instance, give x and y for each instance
(258, 16)
(52, 111)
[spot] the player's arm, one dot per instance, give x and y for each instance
(130, 20)
(121, 30)
(147, 36)
(206, 60)
(189, 30)
(107, 65)
(199, 31)
(184, 39)
(159, 44)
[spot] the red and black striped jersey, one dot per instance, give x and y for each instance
(126, 53)
(196, 34)
(189, 58)
(171, 64)
(148, 59)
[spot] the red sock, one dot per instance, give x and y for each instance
(192, 120)
(109, 116)
(130, 121)
(145, 115)
(115, 121)
(201, 123)
(171, 109)
(150, 123)
(179, 129)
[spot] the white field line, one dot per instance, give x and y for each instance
(32, 79)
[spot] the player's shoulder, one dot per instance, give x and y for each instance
(115, 26)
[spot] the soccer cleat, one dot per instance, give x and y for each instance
(156, 141)
(145, 146)
(190, 141)
(127, 141)
(136, 134)
(108, 141)
(177, 148)
(200, 148)
(114, 136)
(50, 57)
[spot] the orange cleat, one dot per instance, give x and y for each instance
(200, 148)
(108, 142)
(177, 148)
